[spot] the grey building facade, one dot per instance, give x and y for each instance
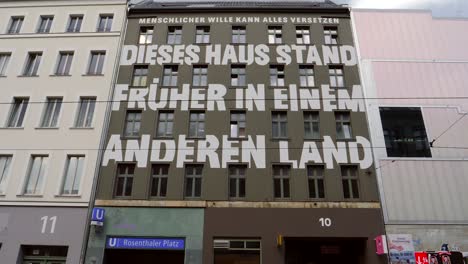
(248, 118)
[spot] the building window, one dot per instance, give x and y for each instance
(404, 132)
(238, 124)
(132, 123)
(237, 251)
(275, 35)
(51, 112)
(73, 173)
(336, 76)
(45, 24)
(5, 162)
(74, 25)
(159, 173)
(302, 35)
(35, 176)
(343, 125)
(202, 34)
(311, 125)
(124, 181)
(146, 35)
(349, 176)
(200, 75)
(165, 124)
(239, 34)
(44, 254)
(237, 181)
(331, 35)
(105, 23)
(197, 125)
(140, 75)
(316, 181)
(15, 25)
(174, 35)
(96, 62)
(281, 181)
(32, 64)
(4, 59)
(193, 181)
(170, 75)
(18, 111)
(238, 76)
(306, 76)
(64, 63)
(279, 123)
(277, 75)
(85, 112)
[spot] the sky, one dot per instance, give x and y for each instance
(439, 8)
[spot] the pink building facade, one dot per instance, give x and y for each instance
(414, 69)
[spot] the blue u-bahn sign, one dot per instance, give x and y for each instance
(145, 243)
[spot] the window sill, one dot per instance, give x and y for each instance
(92, 75)
(27, 76)
(29, 195)
(281, 139)
(238, 87)
(129, 137)
(277, 87)
(237, 138)
(163, 137)
(68, 196)
(12, 128)
(81, 128)
(3, 76)
(345, 139)
(238, 44)
(201, 44)
(196, 138)
(47, 128)
(308, 87)
(314, 139)
(60, 75)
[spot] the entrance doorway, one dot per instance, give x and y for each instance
(140, 256)
(324, 250)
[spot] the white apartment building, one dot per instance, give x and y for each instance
(57, 61)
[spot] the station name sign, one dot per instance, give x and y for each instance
(145, 243)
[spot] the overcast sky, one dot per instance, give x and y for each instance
(439, 8)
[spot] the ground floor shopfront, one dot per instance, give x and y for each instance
(291, 235)
(146, 236)
(432, 237)
(230, 235)
(41, 235)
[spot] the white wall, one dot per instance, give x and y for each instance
(21, 143)
(406, 54)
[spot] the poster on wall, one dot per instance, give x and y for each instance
(401, 249)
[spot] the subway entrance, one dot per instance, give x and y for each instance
(324, 250)
(143, 256)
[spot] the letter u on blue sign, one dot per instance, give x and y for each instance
(98, 214)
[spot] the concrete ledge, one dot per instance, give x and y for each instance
(235, 204)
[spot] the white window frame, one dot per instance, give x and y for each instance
(275, 34)
(239, 35)
(5, 165)
(238, 75)
(74, 23)
(4, 60)
(343, 120)
(303, 35)
(17, 112)
(33, 62)
(174, 35)
(38, 178)
(202, 34)
(98, 68)
(76, 172)
(200, 75)
(51, 113)
(170, 75)
(47, 20)
(88, 105)
(146, 35)
(16, 22)
(63, 69)
(105, 18)
(236, 123)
